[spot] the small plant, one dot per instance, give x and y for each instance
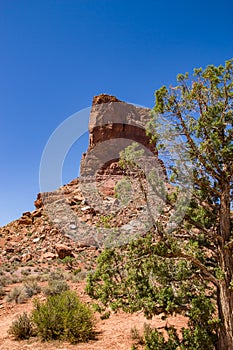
(56, 287)
(68, 261)
(135, 335)
(105, 316)
(56, 283)
(4, 280)
(81, 276)
(63, 317)
(15, 279)
(133, 347)
(123, 191)
(26, 272)
(56, 275)
(17, 294)
(22, 328)
(1, 290)
(105, 221)
(31, 288)
(156, 340)
(77, 271)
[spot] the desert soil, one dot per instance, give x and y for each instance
(113, 333)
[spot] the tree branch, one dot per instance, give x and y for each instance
(192, 144)
(198, 264)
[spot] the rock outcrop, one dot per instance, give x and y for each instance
(80, 215)
(113, 126)
(111, 118)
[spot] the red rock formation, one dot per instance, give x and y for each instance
(113, 126)
(104, 98)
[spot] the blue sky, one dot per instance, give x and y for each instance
(57, 54)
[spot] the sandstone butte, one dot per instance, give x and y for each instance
(39, 235)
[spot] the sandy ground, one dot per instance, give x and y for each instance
(113, 333)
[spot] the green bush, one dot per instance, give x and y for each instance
(64, 317)
(155, 339)
(22, 328)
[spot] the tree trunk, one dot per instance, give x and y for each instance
(225, 293)
(225, 307)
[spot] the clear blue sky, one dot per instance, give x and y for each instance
(55, 55)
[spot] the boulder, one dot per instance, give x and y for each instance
(63, 251)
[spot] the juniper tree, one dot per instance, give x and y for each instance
(187, 269)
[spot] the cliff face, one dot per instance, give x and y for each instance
(111, 118)
(114, 125)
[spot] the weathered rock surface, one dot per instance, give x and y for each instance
(111, 118)
(113, 126)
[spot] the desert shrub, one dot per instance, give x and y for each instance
(64, 317)
(22, 328)
(26, 272)
(57, 275)
(15, 278)
(17, 294)
(20, 294)
(4, 280)
(1, 290)
(56, 287)
(123, 191)
(56, 283)
(78, 277)
(68, 261)
(153, 339)
(31, 288)
(105, 315)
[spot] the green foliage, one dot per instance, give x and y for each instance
(130, 156)
(105, 316)
(134, 347)
(197, 336)
(105, 221)
(22, 328)
(68, 261)
(123, 191)
(77, 271)
(135, 335)
(64, 317)
(155, 340)
(143, 276)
